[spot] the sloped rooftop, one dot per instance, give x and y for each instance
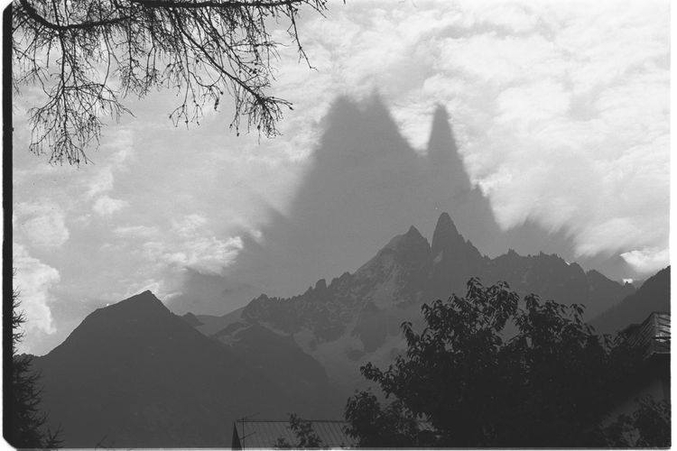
(265, 433)
(652, 335)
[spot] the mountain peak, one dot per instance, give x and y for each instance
(445, 220)
(445, 234)
(144, 304)
(413, 233)
(409, 248)
(409, 241)
(142, 315)
(321, 285)
(146, 297)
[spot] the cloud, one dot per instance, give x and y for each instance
(136, 231)
(106, 206)
(209, 255)
(189, 225)
(561, 108)
(34, 280)
(160, 288)
(163, 252)
(190, 243)
(101, 182)
(648, 261)
(121, 148)
(42, 224)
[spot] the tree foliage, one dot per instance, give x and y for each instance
(86, 56)
(385, 427)
(647, 427)
(491, 369)
(27, 421)
(306, 437)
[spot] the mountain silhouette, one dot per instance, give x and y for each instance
(356, 317)
(133, 374)
(455, 259)
(364, 184)
(652, 296)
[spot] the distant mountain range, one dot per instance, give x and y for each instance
(136, 375)
(356, 317)
(365, 183)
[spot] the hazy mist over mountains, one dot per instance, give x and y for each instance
(365, 184)
(192, 375)
(356, 317)
(375, 230)
(453, 233)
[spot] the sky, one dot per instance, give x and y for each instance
(560, 111)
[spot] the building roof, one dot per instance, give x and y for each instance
(653, 335)
(265, 433)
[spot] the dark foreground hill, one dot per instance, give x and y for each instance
(135, 375)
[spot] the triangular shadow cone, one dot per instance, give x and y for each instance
(364, 185)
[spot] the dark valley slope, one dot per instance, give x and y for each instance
(652, 296)
(135, 375)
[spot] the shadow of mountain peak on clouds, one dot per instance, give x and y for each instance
(364, 184)
(443, 152)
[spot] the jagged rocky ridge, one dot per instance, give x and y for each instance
(356, 317)
(364, 184)
(135, 374)
(409, 271)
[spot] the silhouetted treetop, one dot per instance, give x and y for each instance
(86, 57)
(25, 422)
(493, 370)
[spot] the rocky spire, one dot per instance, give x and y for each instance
(455, 260)
(446, 236)
(410, 246)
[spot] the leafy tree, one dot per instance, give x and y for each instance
(647, 427)
(86, 56)
(26, 421)
(652, 422)
(392, 426)
(306, 437)
(492, 370)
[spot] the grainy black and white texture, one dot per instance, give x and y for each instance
(430, 143)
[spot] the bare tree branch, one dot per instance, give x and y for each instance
(34, 15)
(214, 4)
(86, 57)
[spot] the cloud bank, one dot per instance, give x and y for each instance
(560, 110)
(33, 282)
